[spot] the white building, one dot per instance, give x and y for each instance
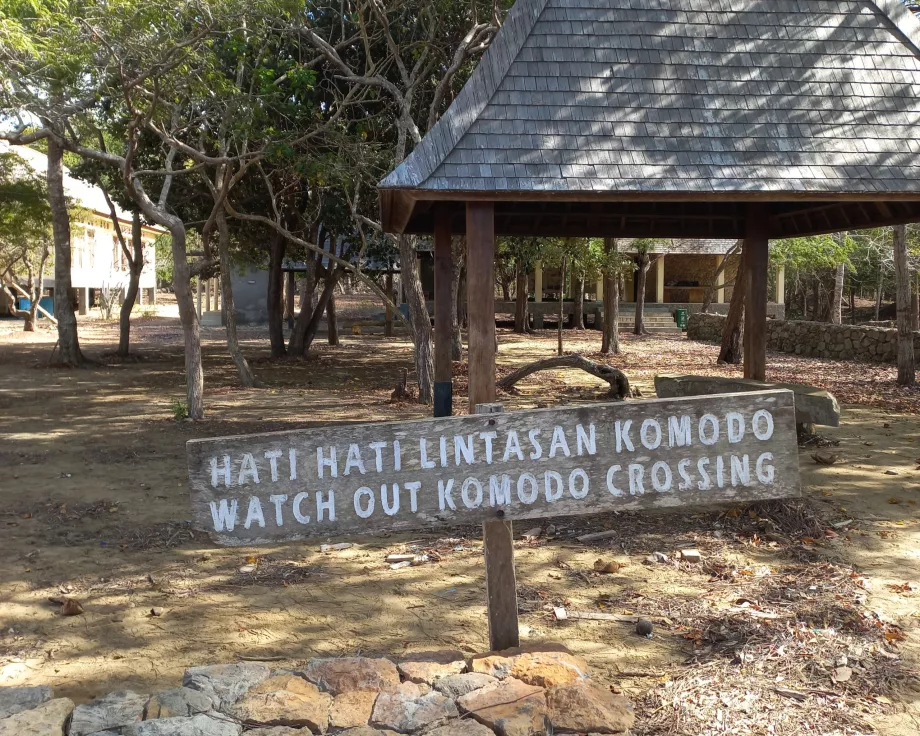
(97, 260)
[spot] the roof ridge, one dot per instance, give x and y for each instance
(437, 144)
(903, 19)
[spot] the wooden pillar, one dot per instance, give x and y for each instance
(599, 290)
(720, 281)
(480, 284)
(756, 253)
(443, 267)
(781, 285)
(659, 280)
(388, 323)
(538, 282)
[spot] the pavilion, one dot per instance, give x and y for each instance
(751, 119)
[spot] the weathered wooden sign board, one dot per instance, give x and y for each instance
(360, 479)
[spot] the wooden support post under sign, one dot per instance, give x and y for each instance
(756, 256)
(480, 280)
(501, 587)
(443, 268)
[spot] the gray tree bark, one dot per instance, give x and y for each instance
(837, 298)
(419, 318)
(68, 341)
(274, 296)
(456, 339)
(907, 374)
(520, 301)
(226, 303)
(578, 307)
(731, 350)
(610, 339)
(135, 266)
(644, 263)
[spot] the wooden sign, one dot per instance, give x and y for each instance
(359, 479)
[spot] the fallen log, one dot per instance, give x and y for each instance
(619, 383)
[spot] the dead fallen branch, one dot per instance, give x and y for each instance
(619, 383)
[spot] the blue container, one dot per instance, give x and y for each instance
(46, 303)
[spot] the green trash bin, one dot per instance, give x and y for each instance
(681, 316)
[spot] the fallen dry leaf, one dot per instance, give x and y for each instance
(71, 607)
(607, 567)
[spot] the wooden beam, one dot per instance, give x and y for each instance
(480, 280)
(756, 246)
(443, 267)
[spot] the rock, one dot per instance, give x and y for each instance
(367, 731)
(111, 711)
(510, 707)
(431, 666)
(348, 674)
(225, 683)
(350, 710)
(460, 728)
(584, 707)
(176, 703)
(403, 713)
(812, 405)
(280, 731)
(200, 725)
(691, 555)
(285, 700)
(45, 719)
(542, 663)
(14, 700)
(456, 686)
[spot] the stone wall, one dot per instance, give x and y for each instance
(813, 339)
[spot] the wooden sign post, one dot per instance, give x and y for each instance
(494, 468)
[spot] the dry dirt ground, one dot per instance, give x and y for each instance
(801, 618)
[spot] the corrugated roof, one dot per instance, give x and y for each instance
(705, 96)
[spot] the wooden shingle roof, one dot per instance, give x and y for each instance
(643, 99)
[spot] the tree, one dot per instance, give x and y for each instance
(519, 255)
(907, 375)
(643, 247)
(613, 267)
(731, 350)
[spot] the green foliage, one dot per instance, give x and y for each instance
(179, 410)
(164, 260)
(25, 216)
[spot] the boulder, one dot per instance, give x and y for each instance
(456, 686)
(812, 405)
(510, 707)
(368, 731)
(348, 674)
(350, 710)
(404, 713)
(14, 700)
(581, 707)
(176, 703)
(46, 719)
(202, 724)
(542, 663)
(431, 666)
(112, 711)
(225, 683)
(285, 700)
(280, 731)
(460, 728)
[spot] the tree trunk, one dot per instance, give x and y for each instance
(733, 330)
(915, 303)
(906, 367)
(463, 315)
(68, 342)
(188, 318)
(332, 325)
(561, 308)
(520, 301)
(456, 339)
(578, 307)
(610, 340)
(273, 297)
(419, 319)
(618, 381)
(837, 298)
(714, 284)
(301, 347)
(852, 303)
(228, 309)
(644, 263)
(135, 267)
(878, 294)
(289, 290)
(506, 288)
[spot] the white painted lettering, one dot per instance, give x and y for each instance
(397, 456)
(487, 437)
(576, 489)
(713, 437)
(552, 486)
(531, 496)
(301, 517)
(741, 469)
(443, 448)
(423, 454)
(463, 447)
(471, 502)
(559, 443)
(354, 460)
(248, 470)
(225, 471)
(611, 488)
(292, 463)
(278, 499)
(390, 508)
(735, 428)
(413, 488)
(661, 477)
(636, 476)
(445, 500)
(686, 482)
(623, 438)
(706, 483)
(586, 441)
(364, 502)
(720, 471)
(764, 468)
(655, 442)
(537, 452)
(499, 490)
(224, 515)
(322, 507)
(326, 462)
(272, 457)
(763, 424)
(254, 514)
(377, 447)
(513, 445)
(679, 431)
